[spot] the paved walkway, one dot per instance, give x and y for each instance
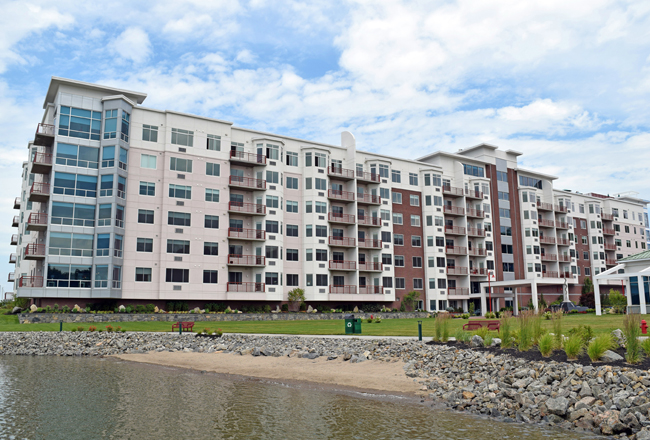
(403, 338)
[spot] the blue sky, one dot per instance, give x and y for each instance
(566, 83)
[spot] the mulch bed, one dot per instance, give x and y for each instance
(201, 335)
(533, 355)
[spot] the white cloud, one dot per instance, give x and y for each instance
(133, 44)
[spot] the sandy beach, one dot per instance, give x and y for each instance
(370, 375)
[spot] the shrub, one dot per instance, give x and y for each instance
(48, 309)
(56, 308)
(65, 309)
(218, 332)
(482, 332)
(377, 320)
(411, 299)
(267, 308)
(80, 329)
(645, 345)
(149, 308)
(462, 336)
(487, 340)
(632, 331)
(74, 329)
(584, 331)
(526, 330)
(490, 315)
(573, 346)
(599, 345)
(303, 306)
(284, 307)
(546, 345)
(206, 331)
(129, 309)
(402, 307)
(547, 316)
(506, 330)
(296, 296)
(369, 320)
(109, 328)
(441, 327)
(140, 308)
(557, 329)
(465, 316)
(92, 328)
(118, 329)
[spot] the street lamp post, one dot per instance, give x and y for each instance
(490, 276)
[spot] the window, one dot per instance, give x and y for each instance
(399, 260)
(272, 201)
(210, 248)
(440, 241)
(321, 280)
(429, 220)
(148, 161)
(110, 124)
(76, 214)
(147, 189)
(384, 214)
(212, 169)
(178, 246)
(529, 181)
(292, 206)
(180, 165)
(505, 195)
(144, 245)
(211, 195)
(211, 222)
(505, 213)
(416, 241)
(427, 200)
(472, 170)
(320, 184)
(124, 132)
(415, 200)
(292, 280)
(179, 218)
(386, 259)
(103, 245)
(143, 274)
(399, 283)
(272, 227)
(272, 177)
(213, 142)
(75, 245)
(398, 218)
(292, 161)
(387, 282)
(436, 180)
(184, 138)
(321, 207)
(321, 231)
(75, 185)
(397, 197)
(384, 193)
(415, 220)
(123, 158)
(292, 254)
(271, 252)
(149, 133)
(145, 216)
(66, 275)
(271, 278)
(292, 183)
(417, 261)
(77, 156)
(321, 254)
(506, 230)
(108, 156)
(439, 221)
(413, 179)
(210, 276)
(502, 176)
(508, 267)
(320, 160)
(398, 239)
(292, 230)
(177, 276)
(118, 243)
(417, 283)
(79, 123)
(383, 171)
(427, 180)
(396, 176)
(386, 236)
(180, 191)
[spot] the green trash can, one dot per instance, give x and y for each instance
(357, 326)
(349, 324)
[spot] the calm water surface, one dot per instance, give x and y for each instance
(80, 398)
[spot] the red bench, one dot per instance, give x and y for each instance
(477, 324)
(185, 326)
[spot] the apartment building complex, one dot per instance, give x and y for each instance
(120, 201)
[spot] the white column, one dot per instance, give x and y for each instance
(628, 295)
(484, 308)
(533, 289)
(641, 295)
(597, 297)
(515, 309)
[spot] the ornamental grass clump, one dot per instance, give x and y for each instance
(645, 345)
(462, 336)
(482, 332)
(526, 320)
(632, 331)
(506, 330)
(441, 327)
(546, 345)
(538, 330)
(573, 347)
(487, 340)
(557, 329)
(598, 346)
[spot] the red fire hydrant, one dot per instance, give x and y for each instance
(644, 327)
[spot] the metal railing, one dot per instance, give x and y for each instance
(474, 193)
(477, 252)
(369, 198)
(550, 274)
(40, 188)
(342, 241)
(248, 208)
(476, 232)
(456, 270)
(343, 289)
(370, 243)
(371, 290)
(369, 221)
(248, 157)
(457, 250)
(458, 291)
(609, 247)
(471, 212)
(362, 175)
(247, 182)
(247, 234)
(545, 206)
(340, 195)
(343, 265)
(342, 218)
(26, 281)
(457, 210)
(371, 266)
(456, 230)
(478, 271)
(340, 172)
(547, 240)
(549, 257)
(452, 190)
(245, 287)
(247, 260)
(37, 218)
(35, 250)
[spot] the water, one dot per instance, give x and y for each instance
(86, 398)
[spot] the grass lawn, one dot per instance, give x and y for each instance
(388, 327)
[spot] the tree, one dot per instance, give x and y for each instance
(587, 297)
(411, 298)
(296, 296)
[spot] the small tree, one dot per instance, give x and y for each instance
(587, 297)
(295, 297)
(542, 302)
(411, 298)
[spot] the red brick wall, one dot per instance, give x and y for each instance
(491, 173)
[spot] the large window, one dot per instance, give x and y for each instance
(105, 214)
(472, 170)
(69, 275)
(212, 169)
(144, 245)
(103, 245)
(75, 245)
(182, 137)
(211, 195)
(396, 176)
(145, 216)
(292, 159)
(77, 156)
(147, 189)
(177, 275)
(108, 156)
(213, 142)
(84, 124)
(180, 165)
(179, 218)
(210, 277)
(148, 161)
(124, 132)
(143, 274)
(210, 248)
(73, 214)
(413, 179)
(212, 221)
(110, 124)
(178, 246)
(529, 181)
(180, 191)
(75, 185)
(149, 133)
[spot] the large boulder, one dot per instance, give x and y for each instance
(476, 341)
(16, 310)
(619, 337)
(33, 308)
(611, 424)
(610, 356)
(557, 406)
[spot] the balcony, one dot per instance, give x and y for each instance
(371, 290)
(368, 177)
(340, 173)
(566, 275)
(335, 217)
(369, 243)
(609, 247)
(608, 231)
(343, 289)
(564, 258)
(11, 278)
(547, 240)
(369, 266)
(452, 191)
(345, 196)
(247, 183)
(247, 208)
(34, 251)
(42, 162)
(607, 217)
(44, 136)
(17, 203)
(561, 208)
(245, 287)
(342, 241)
(16, 221)
(246, 234)
(473, 194)
(550, 274)
(561, 225)
(369, 199)
(610, 262)
(246, 260)
(37, 221)
(25, 281)
(453, 210)
(549, 257)
(457, 271)
(458, 291)
(479, 272)
(343, 265)
(12, 258)
(476, 252)
(456, 250)
(39, 192)
(366, 220)
(474, 232)
(541, 206)
(455, 230)
(471, 212)
(563, 242)
(247, 159)
(14, 239)
(546, 223)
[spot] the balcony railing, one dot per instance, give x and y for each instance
(40, 189)
(546, 223)
(245, 287)
(251, 158)
(247, 182)
(37, 218)
(476, 232)
(563, 242)
(471, 212)
(477, 252)
(458, 291)
(457, 270)
(371, 290)
(12, 258)
(34, 250)
(340, 218)
(17, 203)
(343, 265)
(42, 162)
(370, 243)
(544, 206)
(247, 208)
(550, 274)
(566, 275)
(370, 199)
(15, 221)
(607, 217)
(549, 257)
(342, 241)
(371, 266)
(456, 250)
(453, 210)
(246, 260)
(561, 225)
(369, 221)
(610, 262)
(340, 172)
(26, 281)
(478, 271)
(44, 136)
(343, 289)
(14, 239)
(474, 194)
(561, 208)
(347, 196)
(455, 230)
(362, 175)
(452, 191)
(11, 278)
(547, 240)
(607, 231)
(564, 258)
(609, 247)
(247, 234)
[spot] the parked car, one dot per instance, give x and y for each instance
(568, 306)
